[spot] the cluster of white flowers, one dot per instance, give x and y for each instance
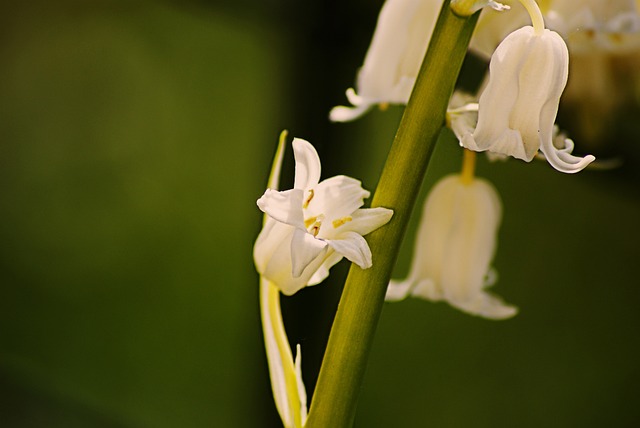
(310, 228)
(603, 39)
(513, 116)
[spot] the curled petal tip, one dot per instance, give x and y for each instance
(354, 98)
(564, 162)
(347, 114)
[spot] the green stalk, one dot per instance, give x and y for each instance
(335, 398)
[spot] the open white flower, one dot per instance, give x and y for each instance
(454, 247)
(393, 60)
(313, 226)
(517, 109)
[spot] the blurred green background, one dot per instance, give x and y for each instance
(135, 138)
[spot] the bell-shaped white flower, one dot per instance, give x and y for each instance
(313, 226)
(517, 109)
(454, 248)
(393, 60)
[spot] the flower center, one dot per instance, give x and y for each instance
(313, 224)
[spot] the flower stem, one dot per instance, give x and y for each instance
(343, 367)
(468, 166)
(536, 15)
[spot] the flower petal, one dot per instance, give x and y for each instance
(336, 197)
(307, 164)
(398, 290)
(272, 238)
(562, 159)
(486, 305)
(285, 207)
(366, 220)
(471, 241)
(354, 247)
(305, 248)
(347, 114)
(323, 271)
(428, 290)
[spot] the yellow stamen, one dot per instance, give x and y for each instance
(468, 166)
(383, 106)
(313, 224)
(306, 203)
(311, 220)
(341, 221)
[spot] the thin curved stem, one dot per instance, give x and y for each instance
(536, 15)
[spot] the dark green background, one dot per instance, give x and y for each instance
(135, 138)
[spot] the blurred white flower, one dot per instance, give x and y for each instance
(393, 60)
(517, 109)
(588, 26)
(454, 247)
(313, 226)
(595, 25)
(604, 46)
(603, 38)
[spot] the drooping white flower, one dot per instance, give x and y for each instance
(454, 248)
(314, 225)
(393, 60)
(517, 109)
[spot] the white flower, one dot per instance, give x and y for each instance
(454, 247)
(313, 226)
(393, 60)
(517, 109)
(588, 26)
(595, 25)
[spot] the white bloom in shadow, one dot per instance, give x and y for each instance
(393, 60)
(454, 248)
(313, 226)
(517, 109)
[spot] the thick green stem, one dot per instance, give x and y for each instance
(343, 367)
